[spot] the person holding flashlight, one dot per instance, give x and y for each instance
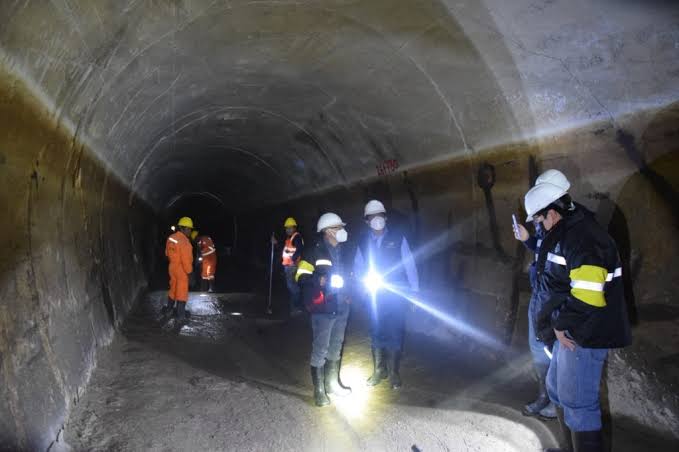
(384, 259)
(323, 279)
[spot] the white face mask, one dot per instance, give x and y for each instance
(341, 235)
(378, 223)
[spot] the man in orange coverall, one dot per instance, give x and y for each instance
(208, 254)
(179, 252)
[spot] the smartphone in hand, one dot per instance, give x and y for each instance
(515, 227)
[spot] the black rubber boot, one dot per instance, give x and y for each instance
(181, 311)
(333, 385)
(567, 439)
(169, 306)
(379, 367)
(533, 408)
(393, 365)
(590, 441)
(203, 285)
(320, 398)
(211, 286)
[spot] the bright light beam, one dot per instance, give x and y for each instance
(355, 406)
(449, 320)
(373, 281)
(336, 282)
(424, 251)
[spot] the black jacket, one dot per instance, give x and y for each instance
(579, 286)
(327, 263)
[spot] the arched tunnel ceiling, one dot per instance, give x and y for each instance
(259, 101)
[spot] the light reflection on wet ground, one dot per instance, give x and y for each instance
(230, 370)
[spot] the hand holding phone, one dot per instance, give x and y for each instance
(515, 227)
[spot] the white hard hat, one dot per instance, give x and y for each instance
(540, 197)
(554, 177)
(328, 220)
(374, 207)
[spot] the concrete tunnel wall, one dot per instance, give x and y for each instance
(116, 108)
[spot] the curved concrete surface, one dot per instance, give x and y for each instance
(119, 116)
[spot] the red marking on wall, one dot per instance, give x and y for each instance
(387, 167)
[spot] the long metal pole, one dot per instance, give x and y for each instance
(268, 305)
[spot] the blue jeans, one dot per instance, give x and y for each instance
(328, 336)
(293, 287)
(573, 383)
(387, 322)
(537, 348)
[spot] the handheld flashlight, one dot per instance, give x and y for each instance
(336, 282)
(373, 281)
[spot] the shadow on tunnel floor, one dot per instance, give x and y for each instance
(229, 341)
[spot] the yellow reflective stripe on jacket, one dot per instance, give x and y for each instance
(587, 284)
(304, 268)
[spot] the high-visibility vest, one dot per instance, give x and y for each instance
(206, 245)
(289, 250)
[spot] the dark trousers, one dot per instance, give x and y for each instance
(293, 287)
(387, 322)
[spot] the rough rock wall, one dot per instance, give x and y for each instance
(70, 268)
(626, 171)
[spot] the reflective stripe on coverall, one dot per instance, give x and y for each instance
(179, 251)
(209, 255)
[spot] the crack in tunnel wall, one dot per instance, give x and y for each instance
(71, 268)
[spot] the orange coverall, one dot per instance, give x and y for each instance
(179, 251)
(209, 255)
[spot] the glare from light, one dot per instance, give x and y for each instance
(354, 406)
(235, 313)
(449, 320)
(174, 228)
(373, 281)
(336, 281)
(204, 295)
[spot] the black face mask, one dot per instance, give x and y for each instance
(540, 232)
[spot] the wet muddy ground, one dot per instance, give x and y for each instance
(234, 379)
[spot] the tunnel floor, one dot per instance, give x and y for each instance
(234, 379)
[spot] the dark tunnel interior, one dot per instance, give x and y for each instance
(119, 117)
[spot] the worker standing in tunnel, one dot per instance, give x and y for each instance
(193, 278)
(179, 252)
(384, 251)
(580, 292)
(541, 406)
(323, 277)
(290, 257)
(208, 261)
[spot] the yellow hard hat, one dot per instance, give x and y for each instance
(185, 222)
(290, 222)
(194, 234)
